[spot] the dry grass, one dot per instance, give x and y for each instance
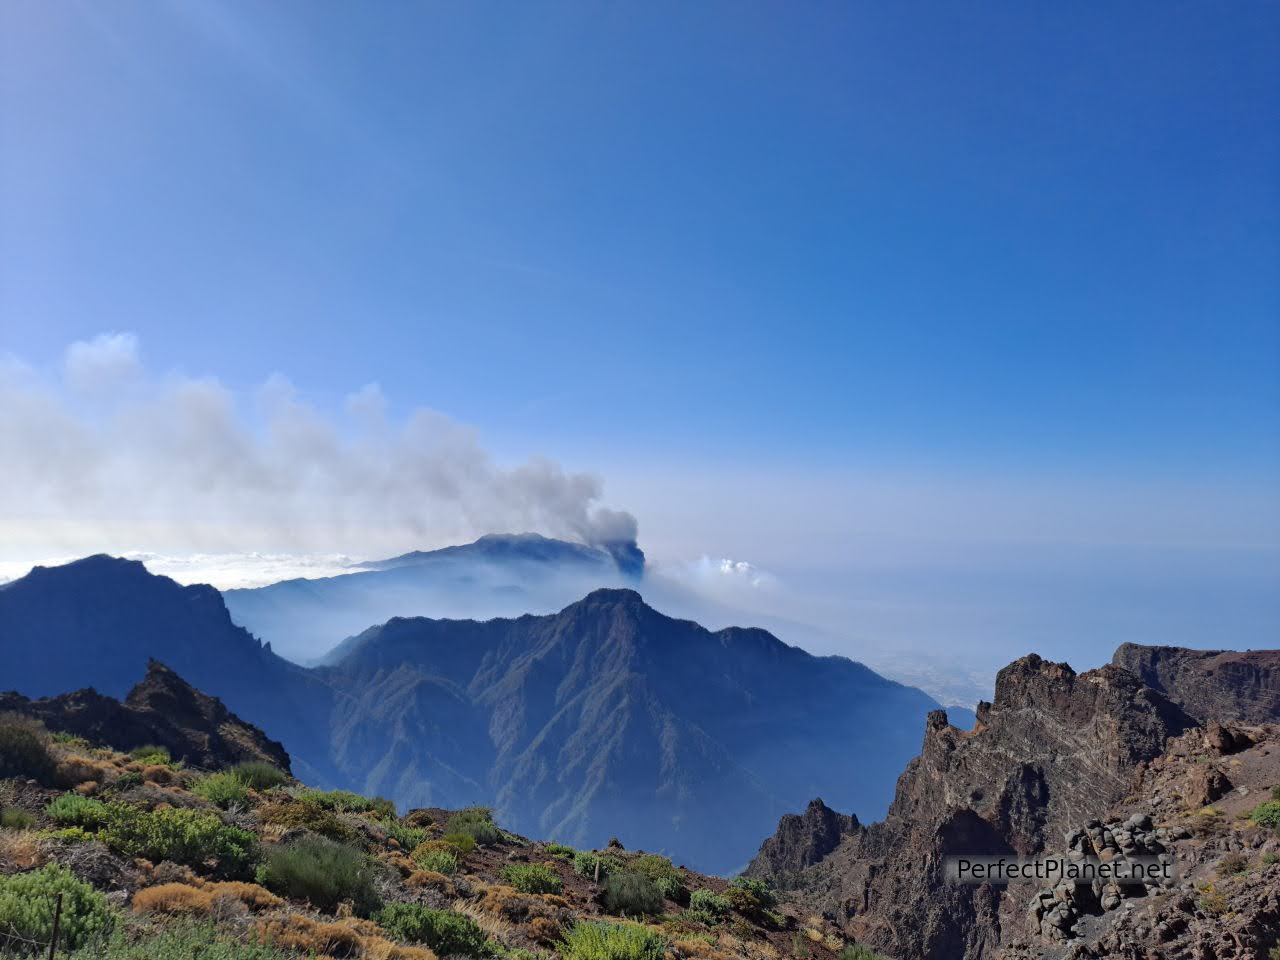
(203, 899)
(430, 880)
(340, 939)
(494, 927)
(20, 850)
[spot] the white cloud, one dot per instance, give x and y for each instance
(111, 458)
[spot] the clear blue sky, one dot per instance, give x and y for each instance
(959, 320)
(1035, 234)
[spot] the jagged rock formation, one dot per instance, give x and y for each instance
(606, 718)
(802, 840)
(1222, 685)
(1054, 748)
(161, 709)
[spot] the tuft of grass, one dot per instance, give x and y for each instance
(178, 940)
(464, 843)
(446, 932)
(433, 855)
(475, 822)
(586, 861)
(12, 818)
(856, 951)
(259, 775)
(612, 941)
(323, 873)
(560, 851)
(710, 902)
(532, 878)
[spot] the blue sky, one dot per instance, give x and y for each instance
(691, 242)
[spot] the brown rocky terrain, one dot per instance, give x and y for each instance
(1210, 684)
(162, 709)
(1098, 763)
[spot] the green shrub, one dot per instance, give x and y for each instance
(477, 823)
(23, 751)
(192, 837)
(710, 902)
(855, 951)
(1275, 792)
(345, 801)
(663, 873)
(72, 835)
(631, 894)
(71, 809)
(179, 940)
(224, 789)
(1267, 814)
(323, 873)
(464, 843)
(27, 903)
(532, 878)
(434, 858)
(11, 818)
(127, 781)
(297, 813)
(444, 931)
(750, 897)
(586, 861)
(1232, 864)
(408, 837)
(560, 851)
(612, 941)
(69, 739)
(151, 753)
(259, 775)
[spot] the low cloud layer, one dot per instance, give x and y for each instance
(103, 455)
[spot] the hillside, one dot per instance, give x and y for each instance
(604, 719)
(156, 858)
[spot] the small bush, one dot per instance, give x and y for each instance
(298, 813)
(856, 951)
(24, 752)
(437, 858)
(1232, 864)
(560, 851)
(71, 809)
(612, 941)
(631, 894)
(323, 873)
(1212, 901)
(224, 789)
(344, 801)
(750, 897)
(151, 753)
(464, 843)
(27, 902)
(532, 878)
(710, 902)
(408, 837)
(477, 823)
(127, 781)
(191, 837)
(1267, 814)
(444, 931)
(11, 818)
(586, 861)
(663, 873)
(258, 775)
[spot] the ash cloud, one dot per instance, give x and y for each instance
(102, 455)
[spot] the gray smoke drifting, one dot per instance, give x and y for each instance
(103, 456)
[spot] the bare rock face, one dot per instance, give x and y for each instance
(1054, 746)
(802, 840)
(161, 709)
(1210, 685)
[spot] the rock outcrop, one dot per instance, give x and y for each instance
(162, 709)
(1052, 750)
(1210, 685)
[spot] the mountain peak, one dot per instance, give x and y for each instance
(613, 595)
